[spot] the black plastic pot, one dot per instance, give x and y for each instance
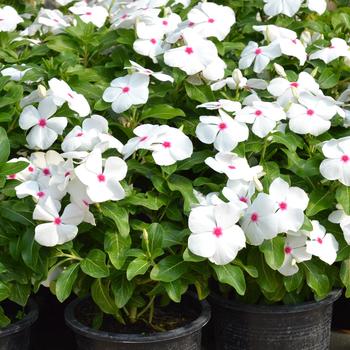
(239, 326)
(183, 338)
(17, 335)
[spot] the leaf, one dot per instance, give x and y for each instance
(4, 146)
(175, 290)
(29, 249)
(293, 282)
(4, 291)
(137, 267)
(342, 196)
(316, 279)
(65, 281)
(291, 141)
(12, 168)
(100, 295)
(201, 93)
(94, 264)
(190, 257)
(162, 112)
(116, 246)
(320, 199)
(122, 290)
(155, 234)
(328, 78)
(20, 293)
(231, 275)
(273, 250)
(118, 214)
(169, 269)
(4, 320)
(345, 276)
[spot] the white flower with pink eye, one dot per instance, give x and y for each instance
(214, 233)
(337, 164)
(290, 204)
(272, 32)
(286, 7)
(261, 56)
(44, 130)
(288, 91)
(9, 19)
(102, 181)
(24, 175)
(260, 221)
(96, 15)
(233, 166)
(319, 6)
(227, 105)
(322, 244)
(60, 228)
(51, 20)
(34, 189)
(263, 115)
(61, 93)
(170, 146)
(311, 115)
(224, 131)
(294, 252)
(211, 20)
(337, 48)
(135, 67)
(339, 217)
(239, 190)
(194, 57)
(127, 91)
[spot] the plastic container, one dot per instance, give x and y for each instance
(239, 326)
(17, 335)
(183, 338)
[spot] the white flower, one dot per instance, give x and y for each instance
(158, 75)
(52, 20)
(290, 204)
(94, 14)
(44, 131)
(24, 175)
(210, 19)
(322, 244)
(287, 7)
(60, 228)
(127, 91)
(263, 116)
(338, 48)
(224, 131)
(294, 252)
(261, 55)
(102, 182)
(272, 32)
(14, 73)
(312, 115)
(260, 221)
(227, 105)
(9, 19)
(339, 217)
(214, 233)
(61, 93)
(215, 70)
(194, 57)
(233, 166)
(337, 164)
(319, 6)
(239, 190)
(289, 91)
(33, 188)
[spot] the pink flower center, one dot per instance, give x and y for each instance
(189, 50)
(85, 203)
(243, 199)
(126, 89)
(55, 20)
(258, 113)
(345, 158)
(12, 176)
(165, 23)
(211, 20)
(79, 134)
(166, 144)
(217, 231)
(31, 169)
(319, 240)
(331, 46)
(232, 167)
(67, 174)
(294, 84)
(222, 126)
(153, 41)
(58, 221)
(70, 95)
(310, 112)
(294, 41)
(143, 138)
(101, 178)
(88, 13)
(283, 205)
(288, 250)
(254, 217)
(124, 16)
(46, 172)
(190, 24)
(41, 194)
(42, 123)
(258, 51)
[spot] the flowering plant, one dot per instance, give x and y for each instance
(218, 153)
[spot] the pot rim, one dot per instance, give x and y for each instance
(190, 328)
(275, 309)
(25, 322)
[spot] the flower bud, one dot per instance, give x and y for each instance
(280, 70)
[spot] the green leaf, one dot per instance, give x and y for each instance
(12, 168)
(200, 93)
(29, 249)
(320, 199)
(148, 200)
(161, 112)
(273, 250)
(291, 141)
(4, 146)
(4, 291)
(118, 214)
(94, 264)
(231, 275)
(293, 282)
(100, 295)
(189, 256)
(65, 281)
(122, 290)
(176, 289)
(328, 78)
(345, 276)
(4, 320)
(20, 293)
(137, 267)
(342, 196)
(153, 238)
(316, 279)
(117, 246)
(169, 269)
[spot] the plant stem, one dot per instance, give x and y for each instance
(133, 314)
(148, 306)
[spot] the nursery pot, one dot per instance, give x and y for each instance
(187, 337)
(305, 326)
(17, 335)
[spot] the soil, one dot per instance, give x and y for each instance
(165, 318)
